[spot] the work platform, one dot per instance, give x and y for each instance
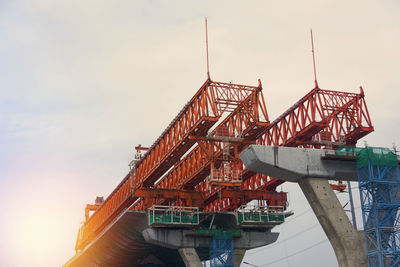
(154, 238)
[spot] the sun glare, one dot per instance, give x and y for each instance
(37, 236)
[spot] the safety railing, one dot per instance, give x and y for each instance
(173, 216)
(248, 215)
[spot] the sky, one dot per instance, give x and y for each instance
(84, 82)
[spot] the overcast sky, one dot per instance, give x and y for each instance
(83, 82)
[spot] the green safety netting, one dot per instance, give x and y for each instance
(375, 155)
(220, 234)
(347, 151)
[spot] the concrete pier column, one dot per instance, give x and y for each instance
(238, 256)
(190, 257)
(347, 242)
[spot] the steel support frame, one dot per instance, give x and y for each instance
(344, 115)
(210, 102)
(230, 199)
(221, 252)
(380, 202)
(247, 121)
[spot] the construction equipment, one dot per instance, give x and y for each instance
(198, 154)
(379, 181)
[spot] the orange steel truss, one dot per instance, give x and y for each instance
(247, 121)
(341, 118)
(89, 208)
(196, 118)
(208, 105)
(178, 169)
(189, 198)
(343, 115)
(321, 119)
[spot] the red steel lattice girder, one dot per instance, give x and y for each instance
(249, 120)
(195, 119)
(343, 115)
(201, 112)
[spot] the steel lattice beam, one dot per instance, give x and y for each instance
(249, 119)
(319, 118)
(206, 107)
(344, 116)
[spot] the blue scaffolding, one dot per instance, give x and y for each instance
(221, 251)
(379, 182)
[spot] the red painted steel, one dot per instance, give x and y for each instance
(231, 199)
(333, 115)
(321, 119)
(248, 121)
(196, 165)
(211, 101)
(341, 118)
(187, 198)
(171, 167)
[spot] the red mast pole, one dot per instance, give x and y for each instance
(313, 56)
(208, 66)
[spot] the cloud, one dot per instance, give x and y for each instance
(84, 82)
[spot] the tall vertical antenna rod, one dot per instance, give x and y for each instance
(208, 66)
(313, 56)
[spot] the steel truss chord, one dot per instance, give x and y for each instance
(340, 118)
(205, 108)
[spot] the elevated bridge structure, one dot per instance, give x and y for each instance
(376, 170)
(195, 163)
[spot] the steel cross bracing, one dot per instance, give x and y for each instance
(244, 121)
(379, 184)
(197, 164)
(319, 119)
(343, 115)
(247, 121)
(320, 116)
(196, 118)
(222, 252)
(208, 105)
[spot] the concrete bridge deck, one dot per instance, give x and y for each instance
(129, 241)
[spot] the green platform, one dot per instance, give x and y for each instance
(377, 156)
(261, 218)
(173, 219)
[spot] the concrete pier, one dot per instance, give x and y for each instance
(238, 256)
(347, 242)
(312, 170)
(186, 241)
(190, 257)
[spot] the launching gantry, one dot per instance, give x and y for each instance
(190, 189)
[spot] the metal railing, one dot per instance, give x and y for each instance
(250, 215)
(173, 215)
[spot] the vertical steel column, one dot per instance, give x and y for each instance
(221, 252)
(379, 181)
(353, 215)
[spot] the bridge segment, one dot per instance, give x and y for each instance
(188, 163)
(312, 168)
